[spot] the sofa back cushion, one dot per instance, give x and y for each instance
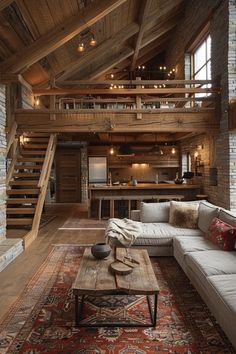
(184, 214)
(229, 218)
(206, 213)
(154, 212)
(221, 234)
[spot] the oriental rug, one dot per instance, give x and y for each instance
(75, 223)
(42, 319)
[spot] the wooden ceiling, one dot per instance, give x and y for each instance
(39, 38)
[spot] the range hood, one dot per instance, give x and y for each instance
(125, 150)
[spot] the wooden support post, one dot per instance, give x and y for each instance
(52, 99)
(138, 100)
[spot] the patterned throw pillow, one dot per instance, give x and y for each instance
(183, 214)
(221, 234)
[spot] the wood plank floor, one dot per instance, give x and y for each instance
(14, 278)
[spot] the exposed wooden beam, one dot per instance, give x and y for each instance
(60, 35)
(102, 48)
(159, 31)
(163, 121)
(133, 82)
(144, 11)
(125, 91)
(4, 4)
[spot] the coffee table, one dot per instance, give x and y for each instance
(95, 278)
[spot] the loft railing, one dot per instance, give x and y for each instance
(126, 95)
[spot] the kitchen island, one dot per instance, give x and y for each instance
(142, 191)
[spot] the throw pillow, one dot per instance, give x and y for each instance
(221, 234)
(154, 212)
(206, 213)
(183, 215)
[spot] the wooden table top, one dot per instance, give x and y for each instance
(95, 277)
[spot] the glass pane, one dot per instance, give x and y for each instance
(208, 47)
(201, 75)
(209, 70)
(200, 57)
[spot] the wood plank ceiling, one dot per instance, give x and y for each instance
(39, 38)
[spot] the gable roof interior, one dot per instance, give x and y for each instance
(131, 34)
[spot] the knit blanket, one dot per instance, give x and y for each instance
(124, 230)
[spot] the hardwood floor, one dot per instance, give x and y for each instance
(14, 278)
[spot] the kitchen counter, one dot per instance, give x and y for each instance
(143, 186)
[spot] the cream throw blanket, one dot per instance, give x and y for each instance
(124, 230)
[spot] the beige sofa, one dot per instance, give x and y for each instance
(211, 270)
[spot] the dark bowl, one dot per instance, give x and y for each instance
(101, 250)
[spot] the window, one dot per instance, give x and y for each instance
(186, 162)
(201, 63)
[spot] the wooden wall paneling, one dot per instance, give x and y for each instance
(4, 4)
(68, 183)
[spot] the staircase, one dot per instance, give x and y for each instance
(27, 182)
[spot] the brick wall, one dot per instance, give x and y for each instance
(2, 163)
(219, 150)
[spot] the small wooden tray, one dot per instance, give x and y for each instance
(120, 268)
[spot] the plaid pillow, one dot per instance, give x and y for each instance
(221, 234)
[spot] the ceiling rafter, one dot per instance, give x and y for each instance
(160, 32)
(144, 11)
(5, 3)
(58, 36)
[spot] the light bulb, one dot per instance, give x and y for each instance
(112, 76)
(173, 151)
(111, 150)
(37, 102)
(93, 41)
(81, 47)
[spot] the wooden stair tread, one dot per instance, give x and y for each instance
(19, 221)
(28, 167)
(24, 182)
(16, 233)
(30, 159)
(22, 191)
(21, 210)
(32, 152)
(33, 134)
(37, 140)
(26, 174)
(22, 200)
(30, 146)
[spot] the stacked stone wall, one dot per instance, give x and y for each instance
(196, 14)
(2, 162)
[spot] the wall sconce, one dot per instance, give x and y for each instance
(86, 37)
(111, 150)
(81, 47)
(36, 101)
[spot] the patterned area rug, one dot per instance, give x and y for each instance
(42, 319)
(74, 223)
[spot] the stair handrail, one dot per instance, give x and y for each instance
(11, 168)
(43, 182)
(51, 143)
(11, 136)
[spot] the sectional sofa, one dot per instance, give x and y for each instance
(210, 269)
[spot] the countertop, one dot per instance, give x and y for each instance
(145, 186)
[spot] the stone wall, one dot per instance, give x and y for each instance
(84, 174)
(2, 162)
(232, 95)
(196, 14)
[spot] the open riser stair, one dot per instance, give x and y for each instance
(27, 182)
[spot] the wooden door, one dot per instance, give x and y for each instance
(68, 183)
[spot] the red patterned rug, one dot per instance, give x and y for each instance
(42, 319)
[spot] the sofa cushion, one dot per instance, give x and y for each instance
(206, 213)
(221, 234)
(228, 217)
(208, 263)
(162, 234)
(154, 212)
(183, 214)
(221, 291)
